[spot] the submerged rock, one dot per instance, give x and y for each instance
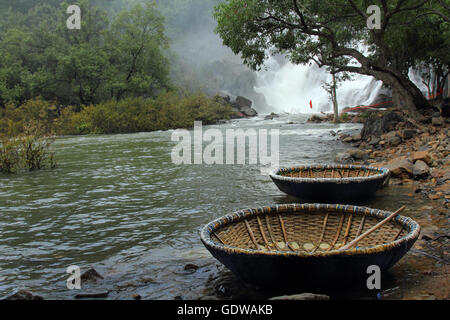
(303, 296)
(316, 119)
(24, 295)
(191, 267)
(91, 275)
(92, 295)
(271, 116)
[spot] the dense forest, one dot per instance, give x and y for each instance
(121, 50)
(127, 69)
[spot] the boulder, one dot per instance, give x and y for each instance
(91, 275)
(242, 107)
(422, 156)
(400, 167)
(356, 137)
(374, 141)
(271, 116)
(23, 295)
(377, 124)
(242, 102)
(420, 170)
(344, 158)
(358, 154)
(316, 119)
(437, 121)
(347, 140)
(249, 112)
(393, 138)
(408, 134)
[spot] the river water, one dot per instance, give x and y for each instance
(117, 203)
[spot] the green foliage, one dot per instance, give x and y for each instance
(137, 36)
(334, 34)
(343, 117)
(109, 57)
(9, 155)
(169, 110)
(30, 150)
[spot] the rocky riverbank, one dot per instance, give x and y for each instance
(417, 153)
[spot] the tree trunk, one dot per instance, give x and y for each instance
(335, 102)
(405, 94)
(448, 86)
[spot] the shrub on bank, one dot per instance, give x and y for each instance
(26, 132)
(30, 150)
(169, 111)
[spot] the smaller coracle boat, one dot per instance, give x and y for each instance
(308, 244)
(330, 182)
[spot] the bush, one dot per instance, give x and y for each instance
(14, 120)
(30, 150)
(9, 155)
(169, 110)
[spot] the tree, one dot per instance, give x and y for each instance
(332, 87)
(136, 40)
(332, 34)
(101, 61)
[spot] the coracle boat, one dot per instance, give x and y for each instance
(330, 182)
(303, 244)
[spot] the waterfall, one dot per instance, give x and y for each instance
(290, 88)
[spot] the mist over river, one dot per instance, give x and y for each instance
(118, 204)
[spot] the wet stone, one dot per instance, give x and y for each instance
(91, 275)
(420, 170)
(303, 296)
(24, 295)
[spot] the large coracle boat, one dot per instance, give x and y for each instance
(301, 244)
(330, 182)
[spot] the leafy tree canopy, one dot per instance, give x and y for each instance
(107, 58)
(335, 34)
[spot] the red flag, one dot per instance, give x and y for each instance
(310, 104)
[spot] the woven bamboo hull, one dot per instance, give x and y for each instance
(329, 191)
(333, 187)
(306, 272)
(245, 244)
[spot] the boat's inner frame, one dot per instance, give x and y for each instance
(306, 232)
(328, 173)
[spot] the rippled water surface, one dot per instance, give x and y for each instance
(117, 203)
